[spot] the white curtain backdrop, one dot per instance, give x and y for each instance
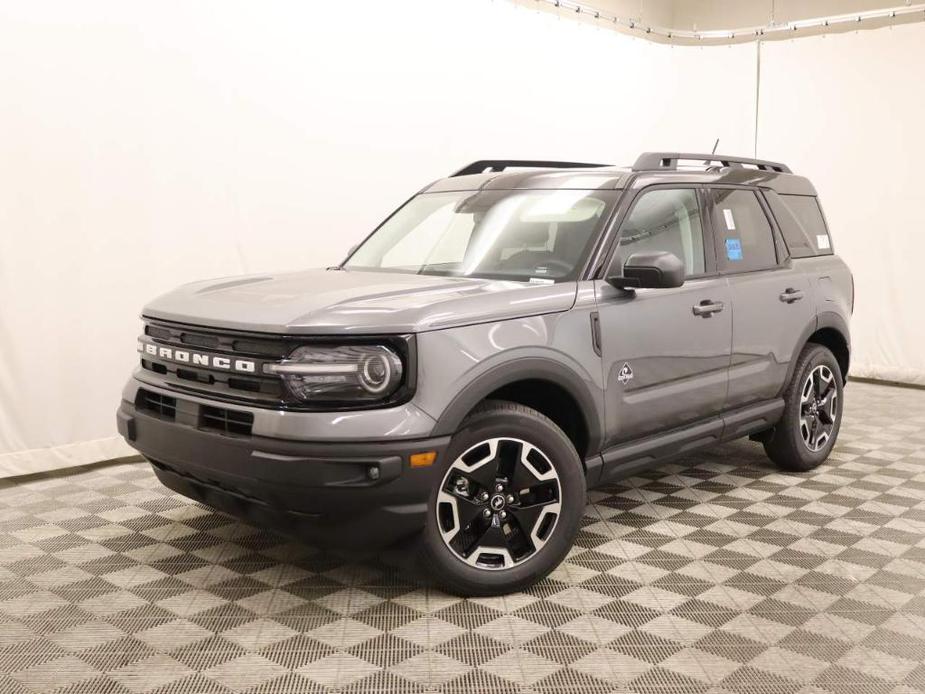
(848, 110)
(147, 145)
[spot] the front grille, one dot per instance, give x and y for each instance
(256, 388)
(161, 405)
(225, 421)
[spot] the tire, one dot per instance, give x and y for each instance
(795, 444)
(523, 451)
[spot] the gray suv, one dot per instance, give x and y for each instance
(511, 336)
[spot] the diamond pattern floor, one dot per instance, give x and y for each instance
(716, 573)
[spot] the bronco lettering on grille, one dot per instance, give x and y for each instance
(185, 356)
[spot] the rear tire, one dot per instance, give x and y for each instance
(808, 428)
(509, 503)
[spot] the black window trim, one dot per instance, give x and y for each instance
(625, 208)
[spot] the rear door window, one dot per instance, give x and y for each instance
(744, 238)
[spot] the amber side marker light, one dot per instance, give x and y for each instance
(423, 459)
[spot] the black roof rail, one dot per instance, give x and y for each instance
(660, 161)
(496, 165)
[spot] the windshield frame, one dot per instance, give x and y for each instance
(612, 198)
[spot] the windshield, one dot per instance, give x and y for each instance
(540, 236)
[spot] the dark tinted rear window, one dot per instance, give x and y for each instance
(804, 228)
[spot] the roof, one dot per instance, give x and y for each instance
(510, 175)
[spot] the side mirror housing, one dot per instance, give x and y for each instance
(650, 269)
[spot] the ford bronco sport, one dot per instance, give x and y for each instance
(511, 336)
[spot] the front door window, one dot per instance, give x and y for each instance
(665, 220)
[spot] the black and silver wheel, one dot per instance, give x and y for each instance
(509, 502)
(498, 503)
(806, 433)
(818, 407)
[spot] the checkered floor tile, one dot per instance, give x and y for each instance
(717, 573)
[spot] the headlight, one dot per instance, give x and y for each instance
(351, 373)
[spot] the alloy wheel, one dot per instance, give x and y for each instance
(498, 503)
(818, 407)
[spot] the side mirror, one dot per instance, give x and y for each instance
(650, 269)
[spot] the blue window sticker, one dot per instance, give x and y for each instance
(734, 249)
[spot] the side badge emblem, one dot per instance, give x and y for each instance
(625, 375)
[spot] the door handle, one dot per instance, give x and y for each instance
(789, 295)
(707, 308)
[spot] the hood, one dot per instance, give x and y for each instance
(355, 302)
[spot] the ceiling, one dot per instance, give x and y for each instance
(716, 15)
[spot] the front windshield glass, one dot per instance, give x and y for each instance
(525, 235)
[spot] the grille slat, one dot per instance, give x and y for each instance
(244, 384)
(194, 375)
(208, 341)
(159, 333)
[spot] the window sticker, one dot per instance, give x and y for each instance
(734, 249)
(730, 220)
(822, 241)
(541, 280)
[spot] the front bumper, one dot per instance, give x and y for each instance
(323, 492)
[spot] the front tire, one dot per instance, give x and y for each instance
(808, 428)
(509, 503)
